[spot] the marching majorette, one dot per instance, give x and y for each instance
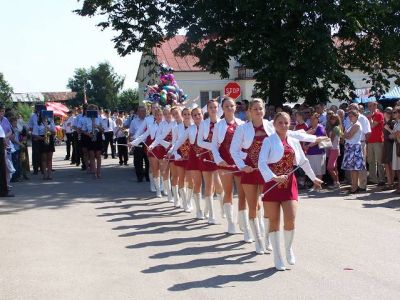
(148, 122)
(245, 149)
(180, 150)
(229, 173)
(278, 156)
(247, 142)
(208, 168)
(160, 146)
(177, 124)
(156, 154)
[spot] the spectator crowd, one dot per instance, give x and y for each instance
(364, 148)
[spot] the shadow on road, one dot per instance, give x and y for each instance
(220, 280)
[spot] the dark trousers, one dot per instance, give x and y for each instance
(122, 150)
(140, 157)
(108, 139)
(36, 159)
(3, 173)
(75, 158)
(68, 144)
(17, 164)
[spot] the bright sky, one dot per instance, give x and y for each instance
(43, 42)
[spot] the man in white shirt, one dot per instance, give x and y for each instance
(139, 155)
(366, 129)
(108, 124)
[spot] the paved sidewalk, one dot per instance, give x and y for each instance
(80, 238)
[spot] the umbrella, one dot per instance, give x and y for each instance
(57, 106)
(392, 94)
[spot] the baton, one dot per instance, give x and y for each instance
(232, 172)
(200, 154)
(276, 183)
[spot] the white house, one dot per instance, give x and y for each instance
(198, 83)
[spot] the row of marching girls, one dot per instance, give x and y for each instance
(226, 152)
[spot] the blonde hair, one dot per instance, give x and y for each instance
(257, 100)
(281, 114)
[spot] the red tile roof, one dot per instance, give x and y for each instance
(165, 54)
(59, 96)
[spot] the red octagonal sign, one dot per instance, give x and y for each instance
(232, 89)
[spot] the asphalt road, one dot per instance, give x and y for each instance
(80, 238)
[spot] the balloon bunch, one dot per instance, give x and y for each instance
(167, 92)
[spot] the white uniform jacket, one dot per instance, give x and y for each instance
(272, 152)
(219, 136)
(188, 133)
(244, 136)
(143, 127)
(163, 130)
(151, 131)
(204, 130)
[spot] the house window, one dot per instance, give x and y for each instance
(207, 95)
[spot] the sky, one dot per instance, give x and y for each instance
(43, 42)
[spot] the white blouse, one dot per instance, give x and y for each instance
(244, 136)
(357, 137)
(163, 130)
(204, 130)
(219, 136)
(151, 131)
(272, 151)
(41, 129)
(87, 124)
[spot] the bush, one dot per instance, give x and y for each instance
(24, 109)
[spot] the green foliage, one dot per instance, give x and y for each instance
(24, 109)
(102, 85)
(128, 100)
(296, 48)
(5, 91)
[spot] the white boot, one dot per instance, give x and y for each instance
(152, 186)
(157, 186)
(211, 217)
(182, 193)
(289, 235)
(206, 208)
(268, 246)
(177, 202)
(199, 212)
(228, 208)
(257, 236)
(275, 241)
(220, 198)
(244, 225)
(163, 189)
(189, 194)
(167, 190)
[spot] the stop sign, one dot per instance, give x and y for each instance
(232, 89)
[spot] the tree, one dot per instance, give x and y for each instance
(78, 83)
(128, 100)
(5, 90)
(102, 85)
(296, 48)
